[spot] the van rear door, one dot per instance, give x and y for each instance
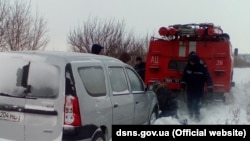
(12, 101)
(11, 118)
(44, 102)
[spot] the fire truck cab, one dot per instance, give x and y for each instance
(167, 56)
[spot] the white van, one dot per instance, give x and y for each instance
(49, 96)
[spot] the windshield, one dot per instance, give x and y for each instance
(43, 78)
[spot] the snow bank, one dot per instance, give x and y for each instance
(217, 112)
(167, 120)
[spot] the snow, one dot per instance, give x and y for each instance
(217, 112)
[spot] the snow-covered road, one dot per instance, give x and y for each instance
(216, 112)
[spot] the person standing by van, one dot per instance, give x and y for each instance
(194, 77)
(140, 67)
(97, 49)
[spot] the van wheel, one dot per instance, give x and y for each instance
(152, 118)
(99, 136)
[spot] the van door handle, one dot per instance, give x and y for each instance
(8, 107)
(115, 105)
(136, 102)
(42, 110)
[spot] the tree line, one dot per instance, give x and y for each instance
(112, 34)
(240, 61)
(22, 30)
(19, 29)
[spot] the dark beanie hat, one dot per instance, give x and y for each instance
(138, 58)
(194, 58)
(96, 48)
(191, 53)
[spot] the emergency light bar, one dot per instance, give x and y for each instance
(190, 30)
(214, 31)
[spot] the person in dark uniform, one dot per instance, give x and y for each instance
(140, 67)
(194, 53)
(194, 77)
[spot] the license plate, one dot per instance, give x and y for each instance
(10, 116)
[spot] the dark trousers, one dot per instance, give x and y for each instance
(193, 105)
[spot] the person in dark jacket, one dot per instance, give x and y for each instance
(201, 62)
(140, 67)
(194, 53)
(96, 49)
(167, 100)
(194, 77)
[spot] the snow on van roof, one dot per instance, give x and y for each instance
(69, 56)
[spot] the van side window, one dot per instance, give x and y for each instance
(69, 85)
(118, 80)
(94, 80)
(44, 80)
(69, 81)
(135, 83)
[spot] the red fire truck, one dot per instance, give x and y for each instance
(167, 55)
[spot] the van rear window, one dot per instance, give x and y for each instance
(177, 65)
(42, 78)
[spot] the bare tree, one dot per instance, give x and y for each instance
(4, 8)
(39, 39)
(109, 33)
(21, 30)
(75, 39)
(104, 32)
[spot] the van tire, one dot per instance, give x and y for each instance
(99, 136)
(153, 117)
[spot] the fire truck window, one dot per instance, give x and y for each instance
(135, 82)
(177, 65)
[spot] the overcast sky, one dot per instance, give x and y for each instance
(147, 16)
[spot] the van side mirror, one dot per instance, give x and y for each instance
(236, 52)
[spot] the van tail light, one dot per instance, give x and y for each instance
(71, 111)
